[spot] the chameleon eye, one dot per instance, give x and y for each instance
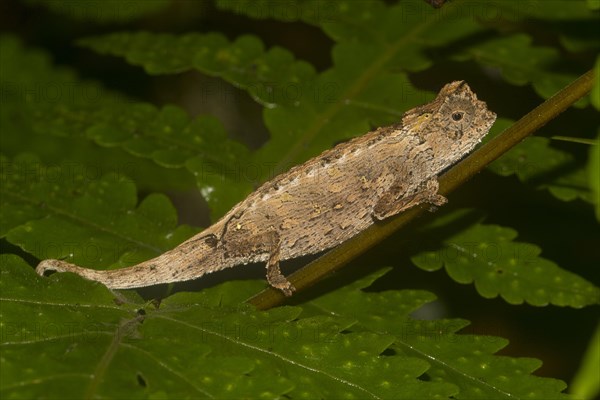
(457, 116)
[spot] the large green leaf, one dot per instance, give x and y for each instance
(593, 173)
(46, 110)
(536, 162)
(595, 96)
(90, 343)
(488, 256)
(303, 110)
(514, 56)
(50, 100)
(55, 212)
(342, 13)
(586, 383)
(464, 360)
(541, 163)
(520, 62)
(307, 112)
(526, 63)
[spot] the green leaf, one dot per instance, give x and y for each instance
(581, 38)
(557, 10)
(463, 360)
(363, 13)
(593, 4)
(593, 173)
(171, 139)
(586, 383)
(244, 62)
(296, 99)
(306, 112)
(520, 63)
(595, 95)
(82, 109)
(52, 98)
(536, 162)
(488, 256)
(54, 212)
(87, 343)
(42, 111)
(351, 21)
(102, 12)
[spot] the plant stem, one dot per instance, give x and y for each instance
(453, 178)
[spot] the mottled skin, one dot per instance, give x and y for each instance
(325, 201)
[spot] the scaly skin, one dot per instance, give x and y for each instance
(325, 201)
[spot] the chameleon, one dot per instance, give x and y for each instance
(325, 201)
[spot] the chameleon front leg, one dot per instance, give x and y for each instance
(396, 199)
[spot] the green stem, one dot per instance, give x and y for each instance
(589, 142)
(453, 178)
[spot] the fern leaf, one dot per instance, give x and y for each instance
(593, 170)
(535, 162)
(171, 139)
(88, 345)
(363, 88)
(81, 109)
(526, 64)
(244, 62)
(46, 110)
(595, 96)
(488, 256)
(52, 212)
(465, 360)
(296, 99)
(586, 382)
(307, 112)
(324, 14)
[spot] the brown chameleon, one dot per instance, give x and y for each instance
(325, 201)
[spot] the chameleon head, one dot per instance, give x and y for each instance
(455, 121)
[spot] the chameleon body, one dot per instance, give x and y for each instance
(325, 201)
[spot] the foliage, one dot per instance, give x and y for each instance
(488, 256)
(99, 345)
(82, 221)
(585, 385)
(534, 160)
(86, 169)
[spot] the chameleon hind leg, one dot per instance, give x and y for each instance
(267, 243)
(274, 275)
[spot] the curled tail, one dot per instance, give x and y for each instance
(190, 260)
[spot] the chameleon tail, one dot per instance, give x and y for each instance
(188, 261)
